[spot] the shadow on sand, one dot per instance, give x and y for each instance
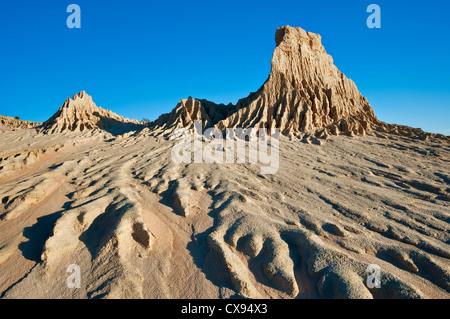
(116, 128)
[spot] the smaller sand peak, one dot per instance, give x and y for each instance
(80, 113)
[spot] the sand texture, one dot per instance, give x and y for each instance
(90, 188)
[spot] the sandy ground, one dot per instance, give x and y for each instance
(140, 226)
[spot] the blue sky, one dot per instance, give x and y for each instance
(140, 57)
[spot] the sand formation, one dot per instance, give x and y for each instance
(80, 113)
(304, 93)
(11, 123)
(90, 188)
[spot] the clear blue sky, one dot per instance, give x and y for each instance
(140, 57)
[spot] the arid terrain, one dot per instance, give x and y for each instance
(91, 188)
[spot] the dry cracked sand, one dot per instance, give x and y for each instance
(91, 188)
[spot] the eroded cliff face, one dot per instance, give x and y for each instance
(305, 92)
(304, 95)
(189, 110)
